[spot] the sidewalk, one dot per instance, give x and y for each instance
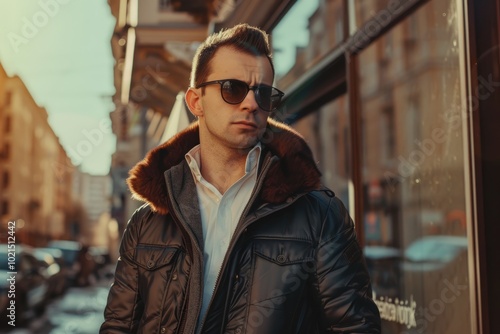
(79, 311)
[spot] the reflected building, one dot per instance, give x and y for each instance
(404, 112)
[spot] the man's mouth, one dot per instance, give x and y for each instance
(246, 124)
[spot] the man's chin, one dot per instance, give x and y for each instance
(247, 146)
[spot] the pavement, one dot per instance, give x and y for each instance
(78, 311)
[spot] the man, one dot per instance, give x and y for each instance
(237, 236)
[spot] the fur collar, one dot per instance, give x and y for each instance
(295, 171)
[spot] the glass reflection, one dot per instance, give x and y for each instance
(414, 172)
(306, 33)
(382, 10)
(327, 132)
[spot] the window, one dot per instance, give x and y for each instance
(5, 179)
(8, 98)
(381, 10)
(387, 132)
(4, 207)
(7, 124)
(166, 5)
(414, 186)
(5, 153)
(299, 40)
(327, 132)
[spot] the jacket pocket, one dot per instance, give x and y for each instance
(150, 257)
(284, 252)
(281, 269)
(157, 269)
(281, 272)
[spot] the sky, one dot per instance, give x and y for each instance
(61, 50)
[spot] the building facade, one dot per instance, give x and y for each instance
(398, 100)
(35, 170)
(152, 45)
(94, 196)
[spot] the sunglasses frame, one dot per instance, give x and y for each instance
(255, 89)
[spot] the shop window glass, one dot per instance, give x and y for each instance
(414, 172)
(381, 11)
(327, 132)
(309, 30)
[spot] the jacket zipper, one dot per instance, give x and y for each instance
(197, 247)
(237, 233)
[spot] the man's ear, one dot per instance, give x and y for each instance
(193, 101)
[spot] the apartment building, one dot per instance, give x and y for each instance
(35, 182)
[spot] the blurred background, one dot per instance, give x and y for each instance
(398, 100)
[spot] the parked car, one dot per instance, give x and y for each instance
(101, 259)
(70, 250)
(54, 273)
(30, 285)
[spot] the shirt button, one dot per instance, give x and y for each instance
(238, 330)
(174, 277)
(163, 330)
(281, 258)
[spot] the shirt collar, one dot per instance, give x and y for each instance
(193, 160)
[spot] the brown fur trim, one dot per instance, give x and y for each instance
(295, 172)
(146, 180)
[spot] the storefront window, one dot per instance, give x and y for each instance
(414, 171)
(327, 133)
(299, 40)
(382, 11)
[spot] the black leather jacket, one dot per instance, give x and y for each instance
(293, 264)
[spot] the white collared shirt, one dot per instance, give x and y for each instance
(220, 215)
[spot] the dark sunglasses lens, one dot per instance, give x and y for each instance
(268, 98)
(234, 91)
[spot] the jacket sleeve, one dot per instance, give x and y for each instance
(342, 284)
(124, 306)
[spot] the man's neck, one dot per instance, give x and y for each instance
(222, 167)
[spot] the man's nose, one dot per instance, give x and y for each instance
(250, 103)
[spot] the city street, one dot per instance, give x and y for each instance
(79, 311)
(255, 157)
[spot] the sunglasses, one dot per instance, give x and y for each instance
(234, 91)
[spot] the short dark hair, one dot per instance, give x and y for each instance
(242, 37)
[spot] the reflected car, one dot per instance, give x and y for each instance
(383, 266)
(30, 285)
(435, 252)
(435, 272)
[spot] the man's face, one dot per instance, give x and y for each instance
(234, 126)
